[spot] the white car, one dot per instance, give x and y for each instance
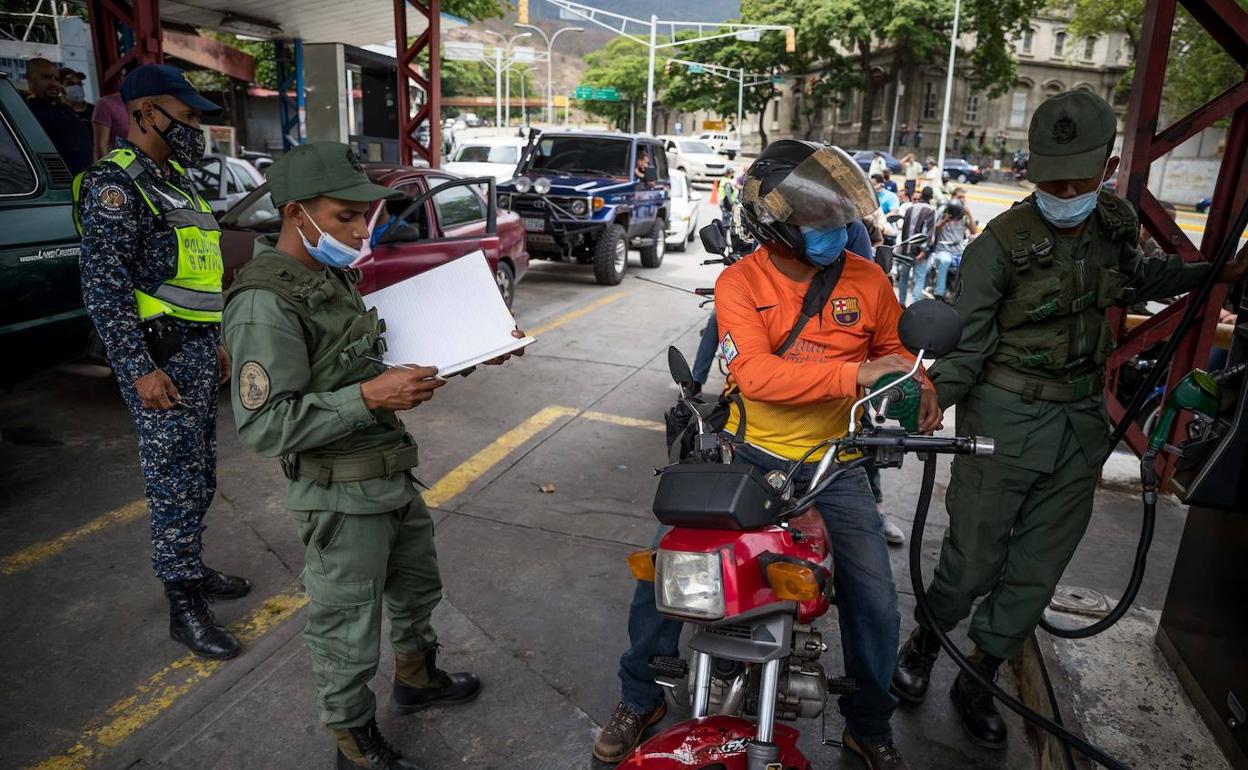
(699, 162)
(721, 143)
(487, 157)
(225, 180)
(685, 204)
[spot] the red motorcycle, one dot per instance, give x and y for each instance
(748, 561)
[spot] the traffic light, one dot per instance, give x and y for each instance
(790, 40)
(524, 12)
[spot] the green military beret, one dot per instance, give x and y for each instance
(331, 169)
(1070, 137)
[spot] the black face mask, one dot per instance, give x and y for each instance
(186, 142)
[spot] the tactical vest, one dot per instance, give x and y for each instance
(194, 292)
(339, 332)
(1052, 317)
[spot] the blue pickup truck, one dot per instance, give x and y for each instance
(587, 197)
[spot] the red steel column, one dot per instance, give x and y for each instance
(429, 82)
(123, 33)
(1143, 144)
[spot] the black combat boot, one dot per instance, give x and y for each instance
(192, 624)
(218, 585)
(975, 705)
(419, 683)
(914, 665)
(365, 748)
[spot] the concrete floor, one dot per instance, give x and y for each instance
(536, 585)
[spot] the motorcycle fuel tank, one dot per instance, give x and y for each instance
(712, 743)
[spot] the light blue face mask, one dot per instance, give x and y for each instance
(1065, 213)
(328, 249)
(823, 247)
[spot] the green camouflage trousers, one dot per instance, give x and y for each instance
(353, 564)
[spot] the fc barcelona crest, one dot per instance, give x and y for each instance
(845, 311)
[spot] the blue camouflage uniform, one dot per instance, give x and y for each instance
(126, 247)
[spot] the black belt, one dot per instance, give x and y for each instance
(1039, 389)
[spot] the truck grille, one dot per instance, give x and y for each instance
(538, 205)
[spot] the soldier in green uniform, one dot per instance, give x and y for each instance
(1029, 373)
(308, 391)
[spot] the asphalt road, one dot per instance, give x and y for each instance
(536, 587)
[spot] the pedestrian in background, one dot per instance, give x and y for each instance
(70, 135)
(109, 122)
(911, 169)
(151, 281)
(75, 94)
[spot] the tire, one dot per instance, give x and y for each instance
(681, 246)
(962, 178)
(732, 155)
(652, 256)
(611, 255)
(505, 277)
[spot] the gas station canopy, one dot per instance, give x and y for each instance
(359, 22)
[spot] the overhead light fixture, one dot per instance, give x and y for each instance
(250, 25)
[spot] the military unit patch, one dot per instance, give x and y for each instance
(253, 385)
(845, 311)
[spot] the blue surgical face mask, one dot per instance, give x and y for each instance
(1065, 213)
(823, 247)
(328, 249)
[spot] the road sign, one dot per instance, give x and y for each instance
(523, 54)
(462, 50)
(777, 80)
(750, 35)
(584, 92)
(606, 95)
(696, 69)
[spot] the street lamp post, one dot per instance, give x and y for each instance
(953, 54)
(507, 44)
(550, 44)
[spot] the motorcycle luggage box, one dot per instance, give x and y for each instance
(715, 496)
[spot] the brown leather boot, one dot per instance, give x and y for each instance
(623, 732)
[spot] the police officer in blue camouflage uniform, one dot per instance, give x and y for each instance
(151, 281)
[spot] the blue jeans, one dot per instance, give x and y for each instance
(866, 605)
(903, 282)
(942, 261)
(706, 351)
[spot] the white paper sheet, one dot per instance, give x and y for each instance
(451, 317)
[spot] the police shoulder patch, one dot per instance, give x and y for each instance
(253, 385)
(113, 196)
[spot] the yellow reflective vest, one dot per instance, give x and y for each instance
(194, 292)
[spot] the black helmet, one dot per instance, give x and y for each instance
(794, 184)
(955, 209)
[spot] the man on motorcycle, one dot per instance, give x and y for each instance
(1028, 372)
(797, 199)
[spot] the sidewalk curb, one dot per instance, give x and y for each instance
(1032, 692)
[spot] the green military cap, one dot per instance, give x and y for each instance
(1070, 137)
(331, 169)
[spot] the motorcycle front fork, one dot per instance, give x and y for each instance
(761, 752)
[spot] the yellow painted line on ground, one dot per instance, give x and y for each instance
(471, 469)
(162, 689)
(37, 552)
(572, 315)
(627, 422)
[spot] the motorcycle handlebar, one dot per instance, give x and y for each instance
(961, 445)
(704, 292)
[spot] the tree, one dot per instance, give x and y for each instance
(1197, 68)
(622, 65)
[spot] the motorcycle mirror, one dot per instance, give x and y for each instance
(884, 258)
(713, 239)
(931, 326)
(679, 367)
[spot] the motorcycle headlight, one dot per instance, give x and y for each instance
(523, 184)
(578, 207)
(541, 186)
(504, 200)
(689, 584)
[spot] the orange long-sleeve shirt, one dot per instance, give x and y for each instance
(796, 401)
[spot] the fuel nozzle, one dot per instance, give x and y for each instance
(1198, 392)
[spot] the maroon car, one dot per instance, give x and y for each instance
(441, 217)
